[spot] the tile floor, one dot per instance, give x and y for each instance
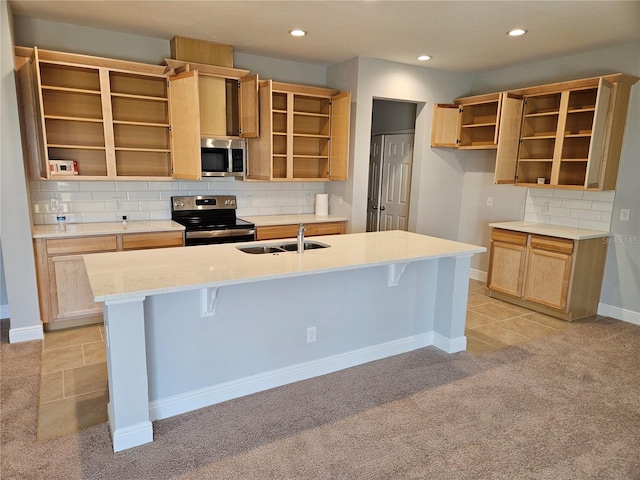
(74, 392)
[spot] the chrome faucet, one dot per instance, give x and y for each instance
(301, 231)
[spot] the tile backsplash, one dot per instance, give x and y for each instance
(570, 208)
(106, 201)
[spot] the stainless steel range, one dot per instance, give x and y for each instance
(210, 219)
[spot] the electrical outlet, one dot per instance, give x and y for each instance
(547, 207)
(339, 200)
(489, 201)
(117, 203)
(311, 334)
(624, 214)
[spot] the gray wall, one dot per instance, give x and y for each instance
(622, 272)
(18, 263)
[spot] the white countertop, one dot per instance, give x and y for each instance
(293, 219)
(571, 233)
(105, 228)
(122, 275)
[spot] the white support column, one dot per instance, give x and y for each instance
(451, 303)
(127, 369)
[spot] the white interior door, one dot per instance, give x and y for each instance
(396, 182)
(375, 182)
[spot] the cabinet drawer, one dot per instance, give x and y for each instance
(509, 236)
(63, 246)
(554, 244)
(136, 241)
(290, 231)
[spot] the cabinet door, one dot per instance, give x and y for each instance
(596, 146)
(139, 241)
(340, 126)
(547, 278)
(248, 106)
(508, 139)
(185, 126)
(444, 125)
(71, 292)
(212, 99)
(506, 267)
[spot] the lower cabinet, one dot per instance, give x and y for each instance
(291, 231)
(556, 276)
(66, 299)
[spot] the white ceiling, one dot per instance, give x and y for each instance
(460, 35)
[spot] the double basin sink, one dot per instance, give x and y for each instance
(281, 247)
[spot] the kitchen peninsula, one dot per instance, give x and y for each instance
(193, 326)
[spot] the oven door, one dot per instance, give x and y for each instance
(210, 237)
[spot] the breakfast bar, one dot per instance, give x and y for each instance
(189, 327)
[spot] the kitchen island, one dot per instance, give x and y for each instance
(190, 327)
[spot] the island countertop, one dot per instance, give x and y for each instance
(123, 275)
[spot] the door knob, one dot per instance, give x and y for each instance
(382, 208)
(374, 208)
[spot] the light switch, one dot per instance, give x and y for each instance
(489, 201)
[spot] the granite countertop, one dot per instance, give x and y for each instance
(130, 274)
(105, 228)
(292, 219)
(572, 233)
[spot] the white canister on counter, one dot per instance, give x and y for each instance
(322, 204)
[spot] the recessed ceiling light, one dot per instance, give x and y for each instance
(298, 33)
(516, 32)
(424, 58)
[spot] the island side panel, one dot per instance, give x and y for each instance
(128, 408)
(257, 338)
(451, 303)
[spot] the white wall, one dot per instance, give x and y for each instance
(15, 231)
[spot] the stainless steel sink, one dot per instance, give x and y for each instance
(281, 247)
(293, 246)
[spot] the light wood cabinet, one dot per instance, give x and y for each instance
(227, 99)
(556, 276)
(291, 230)
(304, 134)
(115, 119)
(65, 294)
(469, 123)
(569, 134)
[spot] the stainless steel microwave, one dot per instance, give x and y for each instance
(223, 157)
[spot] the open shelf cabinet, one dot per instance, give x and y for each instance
(304, 134)
(565, 135)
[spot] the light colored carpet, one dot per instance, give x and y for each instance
(563, 407)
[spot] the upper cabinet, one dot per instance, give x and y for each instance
(227, 99)
(114, 119)
(304, 134)
(468, 123)
(562, 135)
(565, 135)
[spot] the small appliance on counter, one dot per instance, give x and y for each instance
(210, 219)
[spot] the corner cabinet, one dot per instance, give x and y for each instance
(467, 124)
(304, 134)
(114, 119)
(557, 276)
(567, 135)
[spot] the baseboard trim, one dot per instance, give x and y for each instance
(26, 334)
(478, 275)
(619, 313)
(186, 402)
(450, 345)
(129, 437)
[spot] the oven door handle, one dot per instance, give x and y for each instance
(220, 233)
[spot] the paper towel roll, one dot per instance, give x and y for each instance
(322, 204)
